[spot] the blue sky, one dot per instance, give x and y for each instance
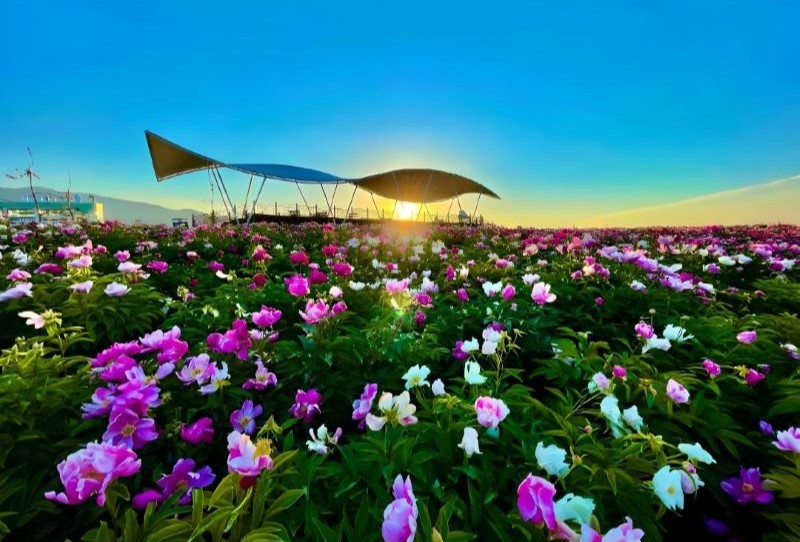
(586, 107)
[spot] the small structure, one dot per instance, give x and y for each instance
(51, 211)
(422, 186)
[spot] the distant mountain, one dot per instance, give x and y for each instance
(113, 208)
(766, 203)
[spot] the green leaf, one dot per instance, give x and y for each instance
(285, 501)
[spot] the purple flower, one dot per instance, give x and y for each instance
(129, 429)
(199, 431)
(262, 380)
(747, 337)
(243, 420)
(711, 368)
(644, 330)
(363, 404)
(748, 487)
(315, 311)
(183, 480)
(677, 392)
(306, 404)
(297, 285)
(753, 377)
(766, 428)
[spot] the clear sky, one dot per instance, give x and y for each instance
(566, 109)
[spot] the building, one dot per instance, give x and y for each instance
(52, 211)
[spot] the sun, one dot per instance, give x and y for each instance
(406, 210)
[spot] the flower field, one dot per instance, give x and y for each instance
(339, 383)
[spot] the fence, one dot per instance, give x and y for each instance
(317, 212)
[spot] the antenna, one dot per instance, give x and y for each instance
(30, 175)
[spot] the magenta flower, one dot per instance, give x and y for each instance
(91, 470)
(266, 317)
(644, 330)
(624, 533)
(49, 268)
(316, 311)
(753, 377)
(535, 501)
(462, 294)
(129, 429)
(298, 257)
(198, 369)
(508, 292)
(200, 431)
(215, 266)
(263, 378)
(18, 275)
(400, 516)
(236, 340)
(620, 372)
(490, 412)
(789, 440)
(342, 269)
(158, 266)
(297, 285)
(677, 392)
(102, 401)
(711, 368)
(244, 419)
(363, 404)
(748, 487)
(747, 337)
(306, 404)
(315, 276)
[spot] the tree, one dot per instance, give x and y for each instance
(29, 174)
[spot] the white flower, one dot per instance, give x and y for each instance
(609, 407)
(657, 343)
(695, 452)
(319, 442)
(33, 319)
(667, 487)
(637, 286)
(115, 289)
(357, 286)
(632, 418)
(395, 409)
(706, 286)
(676, 333)
(551, 459)
(224, 276)
(726, 260)
(417, 376)
(570, 507)
(335, 292)
(489, 348)
(469, 442)
(438, 387)
(530, 279)
(491, 289)
(470, 345)
(472, 373)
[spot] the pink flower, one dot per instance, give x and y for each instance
(644, 330)
(624, 533)
(462, 295)
(33, 319)
(18, 275)
(508, 292)
(317, 277)
(247, 458)
(535, 501)
(115, 289)
(297, 285)
(753, 377)
(394, 286)
(120, 255)
(266, 317)
(342, 269)
(541, 294)
(262, 380)
(82, 287)
(490, 412)
(158, 266)
(298, 257)
(316, 311)
(400, 517)
(200, 431)
(599, 300)
(620, 372)
(50, 268)
(129, 429)
(747, 337)
(677, 392)
(91, 470)
(712, 368)
(363, 404)
(83, 262)
(789, 440)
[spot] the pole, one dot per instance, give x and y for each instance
(349, 205)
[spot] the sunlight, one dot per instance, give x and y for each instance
(406, 210)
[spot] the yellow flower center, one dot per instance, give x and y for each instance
(747, 488)
(128, 430)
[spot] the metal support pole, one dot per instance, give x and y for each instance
(349, 205)
(375, 204)
(308, 207)
(246, 196)
(258, 195)
(221, 194)
(476, 207)
(326, 196)
(225, 189)
(393, 208)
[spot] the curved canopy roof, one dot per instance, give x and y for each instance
(415, 185)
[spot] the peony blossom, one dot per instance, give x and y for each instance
(33, 319)
(667, 487)
(789, 440)
(115, 289)
(677, 392)
(244, 419)
(20, 289)
(266, 317)
(711, 368)
(248, 458)
(676, 334)
(438, 387)
(321, 439)
(747, 337)
(695, 452)
(490, 412)
(297, 285)
(644, 330)
(748, 487)
(395, 409)
(469, 442)
(316, 312)
(551, 459)
(541, 294)
(472, 373)
(417, 376)
(89, 472)
(127, 428)
(200, 431)
(306, 404)
(400, 516)
(535, 501)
